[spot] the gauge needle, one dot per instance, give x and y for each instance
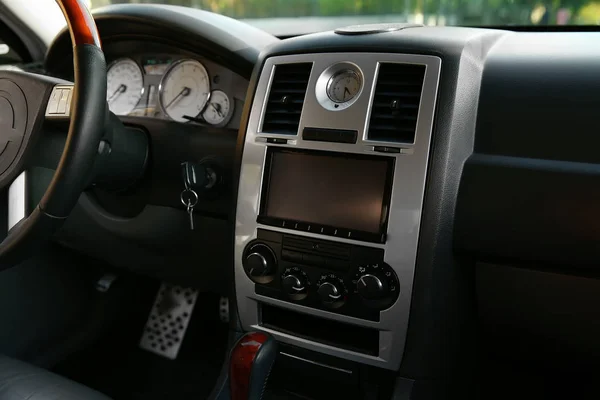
(121, 89)
(184, 92)
(346, 91)
(217, 108)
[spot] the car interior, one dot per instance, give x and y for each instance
(195, 208)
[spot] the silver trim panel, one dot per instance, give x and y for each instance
(17, 200)
(406, 203)
(315, 363)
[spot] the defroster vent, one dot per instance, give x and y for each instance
(286, 98)
(396, 103)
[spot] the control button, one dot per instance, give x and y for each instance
(257, 264)
(260, 262)
(299, 226)
(53, 103)
(277, 141)
(331, 291)
(377, 285)
(343, 233)
(295, 283)
(323, 230)
(64, 101)
(386, 149)
(372, 287)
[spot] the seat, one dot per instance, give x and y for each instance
(21, 381)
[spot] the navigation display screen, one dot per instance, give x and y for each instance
(348, 191)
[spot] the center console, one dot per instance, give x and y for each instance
(330, 198)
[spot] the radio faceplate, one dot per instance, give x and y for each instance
(398, 250)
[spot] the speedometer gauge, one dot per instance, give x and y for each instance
(184, 90)
(125, 84)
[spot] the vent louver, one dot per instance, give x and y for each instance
(396, 103)
(284, 104)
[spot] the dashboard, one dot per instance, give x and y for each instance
(465, 159)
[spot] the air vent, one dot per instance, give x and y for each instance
(286, 98)
(396, 103)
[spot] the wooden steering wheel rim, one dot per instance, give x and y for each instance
(80, 22)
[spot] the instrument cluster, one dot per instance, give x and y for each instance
(184, 90)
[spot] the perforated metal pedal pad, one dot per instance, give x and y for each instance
(168, 320)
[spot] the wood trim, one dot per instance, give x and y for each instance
(241, 362)
(81, 23)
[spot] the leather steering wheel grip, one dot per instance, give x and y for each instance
(88, 113)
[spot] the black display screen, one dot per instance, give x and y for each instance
(328, 189)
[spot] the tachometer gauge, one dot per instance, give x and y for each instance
(125, 85)
(184, 90)
(219, 108)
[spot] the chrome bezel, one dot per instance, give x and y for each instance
(142, 73)
(166, 75)
(325, 80)
(227, 118)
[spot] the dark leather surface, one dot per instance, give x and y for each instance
(88, 116)
(20, 381)
(261, 369)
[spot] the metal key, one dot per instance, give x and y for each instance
(189, 198)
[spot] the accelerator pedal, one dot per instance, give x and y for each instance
(168, 320)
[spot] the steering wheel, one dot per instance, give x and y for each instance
(26, 101)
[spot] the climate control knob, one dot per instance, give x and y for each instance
(295, 283)
(332, 291)
(372, 287)
(377, 285)
(260, 263)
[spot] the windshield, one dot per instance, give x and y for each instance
(294, 17)
(429, 12)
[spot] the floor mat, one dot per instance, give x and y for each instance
(117, 367)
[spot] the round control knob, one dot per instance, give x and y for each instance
(377, 285)
(295, 283)
(331, 291)
(260, 263)
(372, 287)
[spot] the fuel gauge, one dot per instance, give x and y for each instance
(219, 108)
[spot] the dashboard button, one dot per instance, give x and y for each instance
(343, 233)
(277, 141)
(300, 226)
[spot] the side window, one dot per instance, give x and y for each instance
(12, 49)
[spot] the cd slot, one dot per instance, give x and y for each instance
(316, 246)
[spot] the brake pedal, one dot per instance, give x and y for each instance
(168, 320)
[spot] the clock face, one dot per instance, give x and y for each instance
(343, 86)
